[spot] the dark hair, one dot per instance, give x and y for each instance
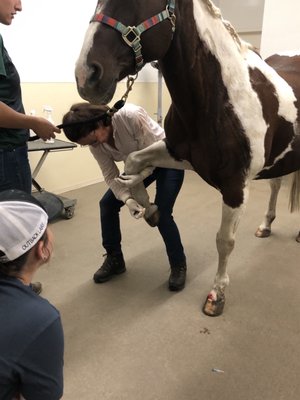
(84, 118)
(11, 268)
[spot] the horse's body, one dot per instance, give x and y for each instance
(233, 118)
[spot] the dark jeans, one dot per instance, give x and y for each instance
(15, 170)
(168, 185)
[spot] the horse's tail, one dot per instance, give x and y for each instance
(294, 201)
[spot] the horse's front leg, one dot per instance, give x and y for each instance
(140, 194)
(225, 240)
(141, 164)
(157, 155)
(264, 229)
(151, 214)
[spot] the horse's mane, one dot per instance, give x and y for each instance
(216, 13)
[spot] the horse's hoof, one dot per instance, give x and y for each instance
(214, 308)
(152, 215)
(298, 238)
(263, 233)
(153, 219)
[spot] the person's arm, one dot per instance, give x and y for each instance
(41, 365)
(10, 118)
(110, 172)
(133, 180)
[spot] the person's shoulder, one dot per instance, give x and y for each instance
(40, 315)
(40, 307)
(131, 110)
(20, 304)
(1, 43)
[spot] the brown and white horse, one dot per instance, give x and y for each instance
(233, 117)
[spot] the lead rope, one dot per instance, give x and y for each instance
(120, 103)
(129, 84)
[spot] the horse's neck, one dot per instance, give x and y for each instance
(193, 65)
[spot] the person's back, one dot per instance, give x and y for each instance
(31, 334)
(27, 361)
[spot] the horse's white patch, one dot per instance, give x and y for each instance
(236, 78)
(82, 69)
(235, 74)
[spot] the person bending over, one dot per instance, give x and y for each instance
(111, 140)
(31, 334)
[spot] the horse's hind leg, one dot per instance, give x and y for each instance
(294, 200)
(264, 229)
(225, 240)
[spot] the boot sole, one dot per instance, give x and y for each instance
(109, 277)
(176, 288)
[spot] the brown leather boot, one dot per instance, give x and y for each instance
(177, 278)
(114, 264)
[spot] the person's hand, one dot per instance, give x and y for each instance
(44, 128)
(129, 180)
(132, 180)
(135, 209)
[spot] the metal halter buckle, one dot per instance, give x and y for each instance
(132, 36)
(171, 17)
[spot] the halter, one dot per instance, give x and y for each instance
(132, 34)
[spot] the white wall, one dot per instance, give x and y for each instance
(281, 28)
(44, 41)
(244, 15)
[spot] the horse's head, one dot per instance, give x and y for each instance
(122, 36)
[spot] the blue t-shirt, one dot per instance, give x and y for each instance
(11, 95)
(31, 344)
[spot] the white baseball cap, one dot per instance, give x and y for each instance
(23, 222)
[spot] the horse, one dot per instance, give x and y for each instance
(233, 116)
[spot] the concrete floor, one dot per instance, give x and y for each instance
(132, 339)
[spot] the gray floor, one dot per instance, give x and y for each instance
(131, 339)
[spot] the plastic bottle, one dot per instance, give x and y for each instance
(47, 112)
(31, 133)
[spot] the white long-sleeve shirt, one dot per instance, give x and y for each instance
(133, 130)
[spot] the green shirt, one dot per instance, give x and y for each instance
(10, 94)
